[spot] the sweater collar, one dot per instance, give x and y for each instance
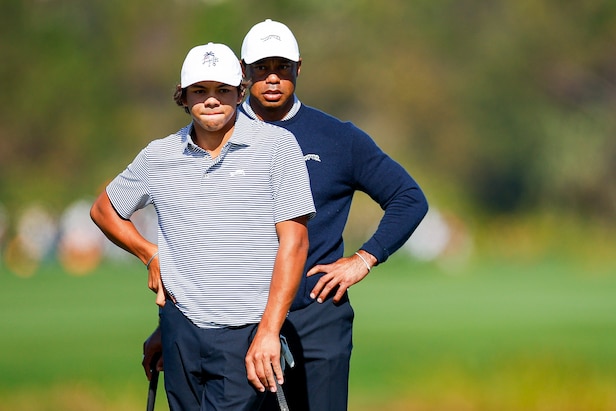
(294, 109)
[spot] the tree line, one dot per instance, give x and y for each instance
(506, 105)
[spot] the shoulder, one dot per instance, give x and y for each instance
(179, 137)
(313, 112)
(315, 124)
(259, 133)
(173, 143)
(315, 117)
(253, 127)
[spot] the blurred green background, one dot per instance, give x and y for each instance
(504, 112)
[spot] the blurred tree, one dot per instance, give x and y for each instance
(508, 104)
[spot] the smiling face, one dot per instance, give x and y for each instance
(212, 106)
(273, 84)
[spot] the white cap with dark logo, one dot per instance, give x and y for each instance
(211, 62)
(269, 39)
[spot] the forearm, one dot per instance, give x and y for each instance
(401, 217)
(287, 274)
(121, 232)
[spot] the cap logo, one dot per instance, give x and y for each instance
(271, 36)
(210, 59)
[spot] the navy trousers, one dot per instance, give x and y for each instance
(205, 368)
(320, 339)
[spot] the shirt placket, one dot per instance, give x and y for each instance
(211, 164)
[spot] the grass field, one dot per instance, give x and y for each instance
(494, 336)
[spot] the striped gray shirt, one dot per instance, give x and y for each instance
(216, 217)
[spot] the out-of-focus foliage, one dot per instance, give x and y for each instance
(506, 105)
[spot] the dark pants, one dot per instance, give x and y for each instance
(320, 339)
(205, 368)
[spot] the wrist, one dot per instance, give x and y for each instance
(155, 255)
(368, 259)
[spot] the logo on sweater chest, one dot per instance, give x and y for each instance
(314, 157)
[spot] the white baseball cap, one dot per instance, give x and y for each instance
(269, 39)
(211, 62)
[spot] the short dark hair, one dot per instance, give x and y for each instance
(178, 97)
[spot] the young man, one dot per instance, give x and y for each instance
(233, 198)
(341, 159)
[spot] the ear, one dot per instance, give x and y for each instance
(241, 96)
(299, 66)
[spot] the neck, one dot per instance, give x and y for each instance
(212, 141)
(270, 114)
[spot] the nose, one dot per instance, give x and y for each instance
(211, 101)
(273, 78)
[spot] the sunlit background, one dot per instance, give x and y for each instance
(503, 111)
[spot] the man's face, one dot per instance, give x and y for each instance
(273, 84)
(212, 104)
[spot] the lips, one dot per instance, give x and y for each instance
(272, 95)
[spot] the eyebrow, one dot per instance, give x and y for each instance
(278, 60)
(199, 86)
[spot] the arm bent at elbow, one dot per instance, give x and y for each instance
(124, 234)
(120, 231)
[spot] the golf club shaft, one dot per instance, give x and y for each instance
(152, 390)
(153, 386)
(282, 400)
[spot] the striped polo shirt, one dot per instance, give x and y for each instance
(216, 217)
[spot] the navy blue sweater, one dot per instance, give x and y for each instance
(341, 159)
